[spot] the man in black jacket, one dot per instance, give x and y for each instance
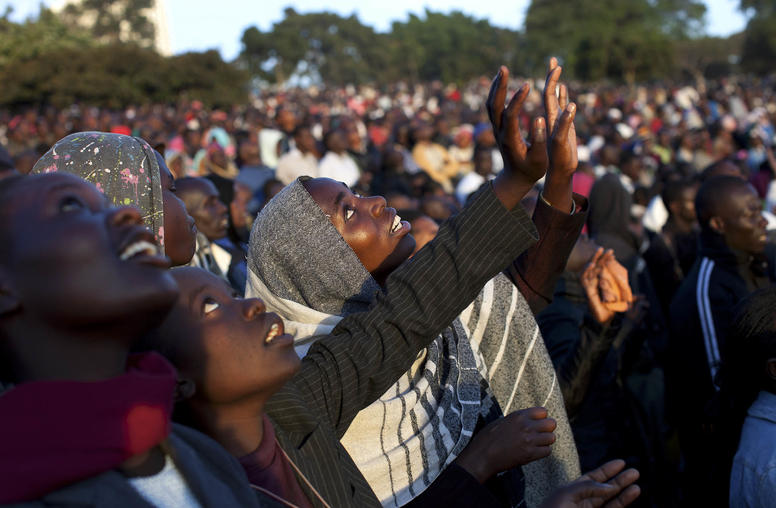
(731, 264)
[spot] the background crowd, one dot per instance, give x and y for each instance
(657, 320)
(643, 154)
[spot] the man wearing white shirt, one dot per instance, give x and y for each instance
(337, 164)
(299, 161)
(483, 171)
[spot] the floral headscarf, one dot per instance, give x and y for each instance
(122, 167)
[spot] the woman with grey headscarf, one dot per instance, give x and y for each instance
(319, 252)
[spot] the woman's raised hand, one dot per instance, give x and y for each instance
(525, 163)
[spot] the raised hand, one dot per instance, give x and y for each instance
(563, 134)
(524, 164)
(607, 486)
(563, 140)
(515, 440)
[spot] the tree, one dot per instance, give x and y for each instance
(616, 39)
(759, 48)
(338, 50)
(36, 36)
(322, 46)
(113, 21)
(707, 57)
(451, 47)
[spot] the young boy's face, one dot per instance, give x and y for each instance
(69, 260)
(742, 222)
(228, 346)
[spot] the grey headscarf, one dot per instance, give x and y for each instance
(123, 168)
(299, 255)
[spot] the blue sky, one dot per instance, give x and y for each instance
(197, 25)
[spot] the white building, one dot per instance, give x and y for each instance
(156, 14)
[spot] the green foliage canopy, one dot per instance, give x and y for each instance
(620, 40)
(759, 48)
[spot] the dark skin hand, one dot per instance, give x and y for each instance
(525, 163)
(563, 160)
(515, 440)
(590, 282)
(607, 486)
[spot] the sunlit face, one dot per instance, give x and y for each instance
(228, 346)
(210, 214)
(741, 220)
(367, 225)
(180, 232)
(73, 261)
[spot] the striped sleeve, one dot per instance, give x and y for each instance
(706, 316)
(343, 373)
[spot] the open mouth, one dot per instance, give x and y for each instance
(139, 246)
(396, 226)
(137, 249)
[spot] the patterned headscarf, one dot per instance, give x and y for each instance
(123, 168)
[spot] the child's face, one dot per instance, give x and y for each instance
(228, 346)
(73, 261)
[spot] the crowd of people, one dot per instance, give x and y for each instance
(421, 296)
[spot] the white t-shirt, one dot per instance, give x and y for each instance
(166, 489)
(468, 184)
(295, 164)
(341, 168)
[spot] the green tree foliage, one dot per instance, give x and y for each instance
(707, 57)
(113, 21)
(319, 46)
(338, 50)
(619, 40)
(759, 48)
(451, 47)
(117, 75)
(44, 60)
(35, 37)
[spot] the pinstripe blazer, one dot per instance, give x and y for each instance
(367, 352)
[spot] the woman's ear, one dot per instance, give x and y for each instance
(184, 389)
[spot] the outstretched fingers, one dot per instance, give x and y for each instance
(537, 153)
(563, 96)
(625, 498)
(497, 97)
(564, 125)
(602, 473)
(551, 105)
(509, 118)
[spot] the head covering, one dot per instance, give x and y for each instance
(299, 255)
(123, 168)
(609, 217)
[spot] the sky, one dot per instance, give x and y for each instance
(198, 25)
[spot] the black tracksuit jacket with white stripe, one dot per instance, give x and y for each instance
(701, 314)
